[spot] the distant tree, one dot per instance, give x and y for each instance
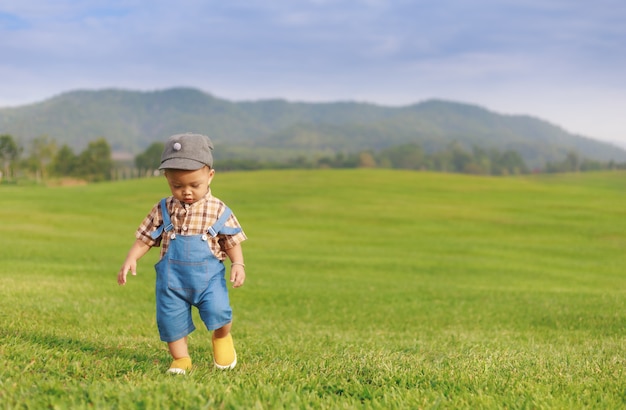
(481, 162)
(515, 163)
(572, 162)
(42, 151)
(366, 160)
(346, 161)
(150, 159)
(241, 165)
(9, 154)
(406, 156)
(591, 165)
(65, 162)
(506, 163)
(460, 158)
(95, 163)
(300, 162)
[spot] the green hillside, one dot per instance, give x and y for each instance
(366, 289)
(278, 129)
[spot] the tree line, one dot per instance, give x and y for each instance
(453, 158)
(43, 158)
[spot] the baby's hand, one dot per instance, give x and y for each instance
(121, 275)
(237, 275)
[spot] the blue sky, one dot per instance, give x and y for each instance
(561, 60)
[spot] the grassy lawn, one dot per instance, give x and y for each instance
(366, 289)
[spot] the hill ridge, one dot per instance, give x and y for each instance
(278, 128)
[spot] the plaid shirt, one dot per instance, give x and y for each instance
(191, 219)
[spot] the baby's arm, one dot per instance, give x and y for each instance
(135, 253)
(237, 268)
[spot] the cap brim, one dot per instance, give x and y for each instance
(182, 163)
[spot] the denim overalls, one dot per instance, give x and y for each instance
(188, 275)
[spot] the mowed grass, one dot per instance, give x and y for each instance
(365, 289)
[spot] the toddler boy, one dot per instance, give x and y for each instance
(196, 232)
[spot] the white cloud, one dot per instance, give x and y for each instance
(555, 59)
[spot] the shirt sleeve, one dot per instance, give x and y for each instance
(150, 223)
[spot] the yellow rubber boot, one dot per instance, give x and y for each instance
(180, 366)
(224, 355)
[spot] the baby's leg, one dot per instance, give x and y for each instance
(178, 348)
(222, 331)
(180, 353)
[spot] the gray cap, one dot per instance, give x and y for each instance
(187, 151)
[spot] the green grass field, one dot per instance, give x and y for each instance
(365, 289)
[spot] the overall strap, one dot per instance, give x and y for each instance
(167, 222)
(218, 226)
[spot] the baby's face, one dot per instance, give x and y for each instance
(189, 186)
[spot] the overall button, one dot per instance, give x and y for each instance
(204, 237)
(173, 236)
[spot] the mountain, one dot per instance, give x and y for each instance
(278, 129)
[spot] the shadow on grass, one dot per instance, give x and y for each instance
(93, 352)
